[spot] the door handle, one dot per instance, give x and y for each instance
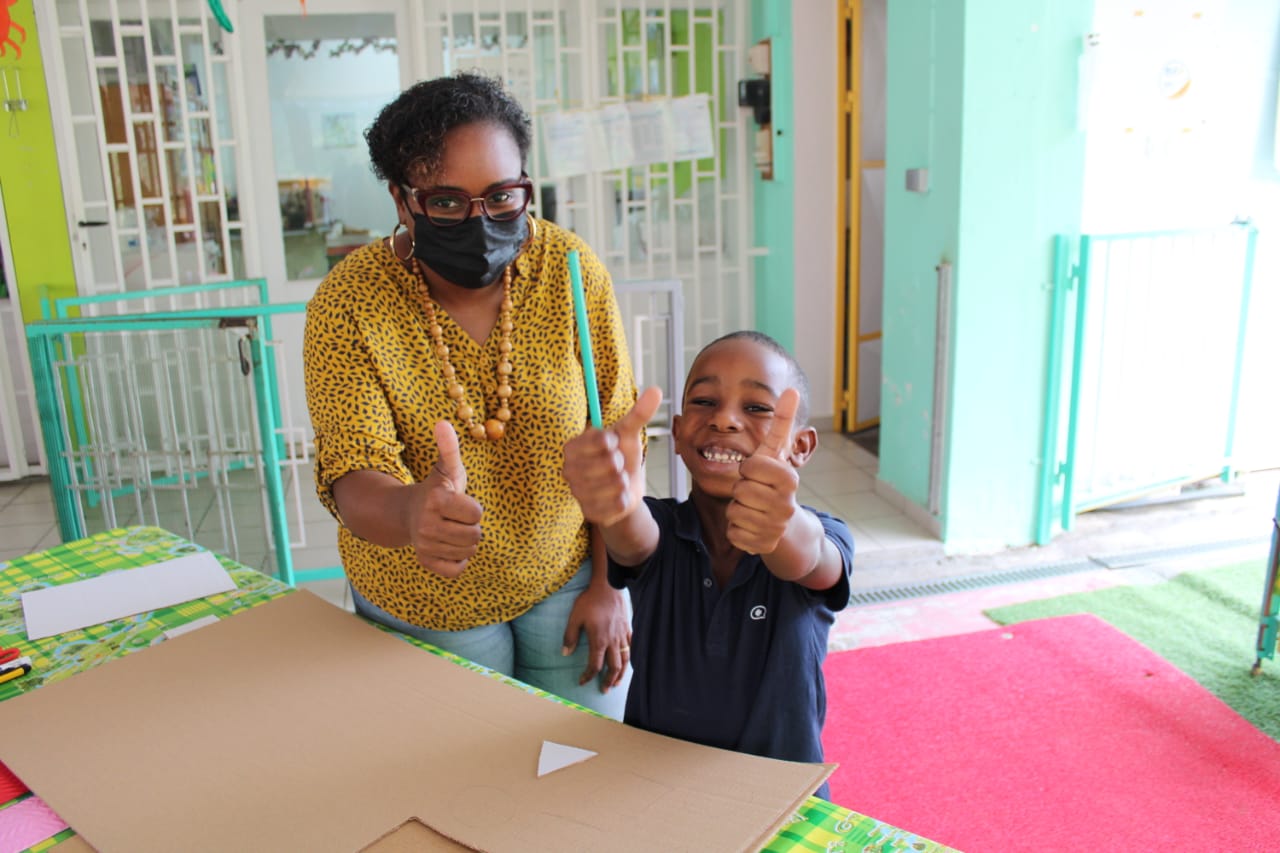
(92, 223)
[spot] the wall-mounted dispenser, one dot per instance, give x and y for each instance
(755, 94)
(13, 104)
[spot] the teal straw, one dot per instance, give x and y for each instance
(584, 339)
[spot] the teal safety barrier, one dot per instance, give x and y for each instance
(1117, 305)
(1269, 618)
(254, 289)
(76, 428)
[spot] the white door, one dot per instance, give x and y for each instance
(321, 79)
(21, 451)
(143, 94)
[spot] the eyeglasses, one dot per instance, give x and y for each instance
(449, 207)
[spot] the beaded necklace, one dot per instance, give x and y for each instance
(495, 427)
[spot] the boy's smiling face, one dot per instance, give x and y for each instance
(729, 401)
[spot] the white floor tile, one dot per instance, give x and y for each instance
(33, 493)
(861, 506)
(334, 591)
(863, 542)
(897, 531)
(25, 537)
(19, 514)
(52, 539)
(316, 558)
(829, 481)
(836, 445)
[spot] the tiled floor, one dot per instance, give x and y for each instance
(892, 551)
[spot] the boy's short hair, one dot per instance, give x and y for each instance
(797, 379)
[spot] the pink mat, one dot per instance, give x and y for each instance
(27, 823)
(1054, 734)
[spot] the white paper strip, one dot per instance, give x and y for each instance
(93, 601)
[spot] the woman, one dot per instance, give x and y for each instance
(443, 381)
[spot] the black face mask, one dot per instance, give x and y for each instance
(470, 255)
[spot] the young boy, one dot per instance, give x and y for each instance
(735, 589)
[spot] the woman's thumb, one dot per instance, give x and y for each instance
(449, 463)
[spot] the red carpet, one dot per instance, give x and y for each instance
(1057, 734)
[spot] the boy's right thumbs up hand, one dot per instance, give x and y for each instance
(443, 520)
(605, 467)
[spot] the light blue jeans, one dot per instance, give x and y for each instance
(526, 648)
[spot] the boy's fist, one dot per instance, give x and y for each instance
(605, 467)
(764, 499)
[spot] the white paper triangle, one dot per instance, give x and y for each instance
(557, 756)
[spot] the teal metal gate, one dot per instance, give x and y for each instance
(1269, 618)
(172, 417)
(1146, 344)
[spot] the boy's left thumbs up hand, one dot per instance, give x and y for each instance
(764, 499)
(777, 442)
(605, 467)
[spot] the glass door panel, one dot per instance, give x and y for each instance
(327, 78)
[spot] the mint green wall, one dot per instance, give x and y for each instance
(1022, 182)
(984, 94)
(775, 199)
(924, 106)
(29, 177)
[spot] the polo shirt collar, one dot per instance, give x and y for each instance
(688, 525)
(689, 528)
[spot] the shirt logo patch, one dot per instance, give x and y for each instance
(759, 612)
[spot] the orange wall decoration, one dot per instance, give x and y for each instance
(8, 27)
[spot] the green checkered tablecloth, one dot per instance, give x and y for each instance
(818, 826)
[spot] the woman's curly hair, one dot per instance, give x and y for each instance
(408, 134)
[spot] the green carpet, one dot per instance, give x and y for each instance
(1204, 622)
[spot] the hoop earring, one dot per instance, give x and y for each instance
(392, 243)
(533, 227)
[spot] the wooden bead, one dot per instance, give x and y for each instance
(494, 428)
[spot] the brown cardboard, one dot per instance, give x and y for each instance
(414, 837)
(297, 726)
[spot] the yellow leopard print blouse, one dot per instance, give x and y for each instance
(375, 390)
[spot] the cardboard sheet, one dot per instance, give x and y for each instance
(296, 726)
(58, 609)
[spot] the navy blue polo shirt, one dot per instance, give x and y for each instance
(738, 668)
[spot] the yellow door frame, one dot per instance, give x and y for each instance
(849, 222)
